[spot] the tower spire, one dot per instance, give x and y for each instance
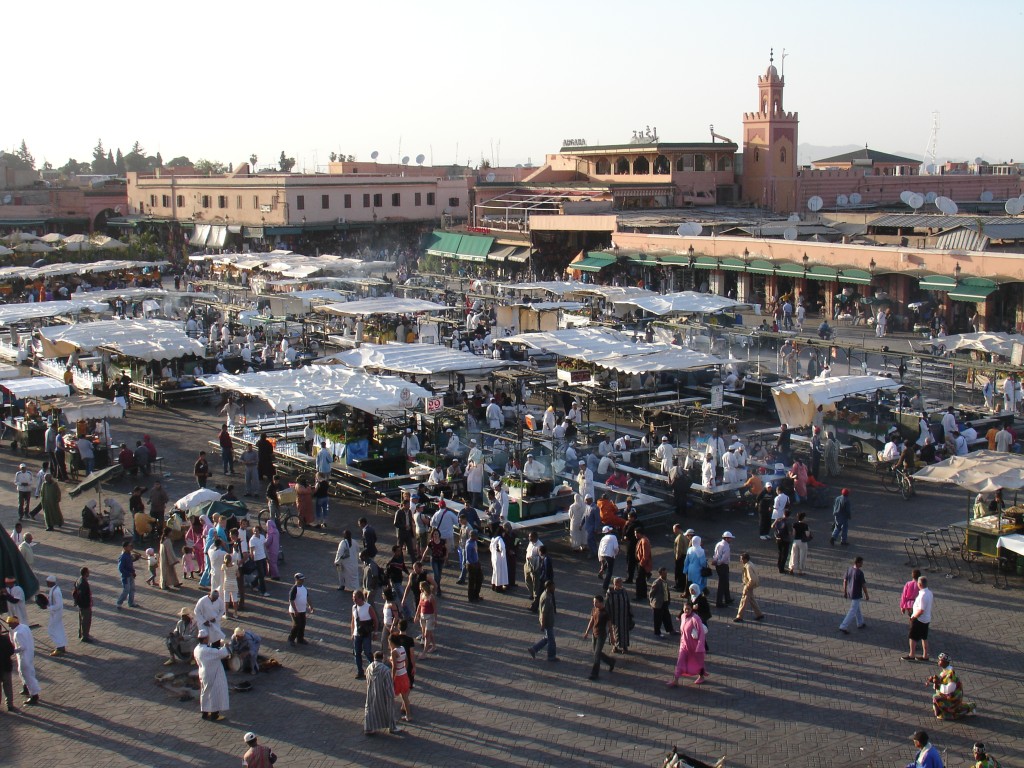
(771, 55)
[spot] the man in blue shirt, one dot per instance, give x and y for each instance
(855, 588)
(928, 756)
(126, 567)
(474, 573)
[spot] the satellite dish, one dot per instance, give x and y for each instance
(790, 233)
(7, 199)
(842, 200)
(855, 198)
(987, 196)
(916, 200)
(420, 159)
(1014, 206)
(374, 155)
(490, 177)
(689, 229)
(930, 197)
(978, 161)
(945, 205)
(405, 160)
(793, 218)
(519, 165)
(905, 196)
(815, 203)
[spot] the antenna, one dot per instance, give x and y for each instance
(405, 160)
(930, 163)
(782, 59)
(689, 229)
(1014, 206)
(790, 233)
(490, 177)
(946, 205)
(374, 155)
(419, 159)
(815, 203)
(931, 197)
(855, 198)
(905, 196)
(916, 200)
(842, 201)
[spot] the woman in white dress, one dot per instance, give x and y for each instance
(499, 564)
(577, 514)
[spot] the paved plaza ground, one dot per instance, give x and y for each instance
(791, 691)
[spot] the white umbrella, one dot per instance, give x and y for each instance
(195, 499)
(76, 239)
(53, 237)
(20, 237)
(36, 247)
(78, 245)
(5, 251)
(109, 243)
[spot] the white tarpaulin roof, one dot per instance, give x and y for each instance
(978, 471)
(322, 386)
(616, 293)
(556, 287)
(684, 302)
(9, 371)
(124, 293)
(78, 407)
(797, 402)
(35, 386)
(16, 313)
(994, 343)
(417, 358)
(382, 306)
(141, 339)
(668, 359)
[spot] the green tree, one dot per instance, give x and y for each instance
(137, 149)
(72, 168)
(209, 167)
(11, 160)
(159, 161)
(179, 162)
(252, 162)
(25, 156)
(99, 157)
(111, 165)
(285, 163)
(47, 165)
(119, 164)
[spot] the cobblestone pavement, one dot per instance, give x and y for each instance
(791, 691)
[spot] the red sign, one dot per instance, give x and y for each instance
(434, 404)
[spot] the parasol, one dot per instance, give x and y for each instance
(196, 498)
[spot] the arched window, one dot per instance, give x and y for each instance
(764, 105)
(661, 165)
(757, 155)
(622, 167)
(603, 167)
(782, 154)
(724, 163)
(641, 166)
(701, 162)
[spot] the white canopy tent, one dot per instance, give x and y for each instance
(9, 371)
(35, 386)
(38, 310)
(140, 339)
(382, 306)
(995, 343)
(978, 471)
(78, 407)
(667, 359)
(681, 303)
(556, 287)
(322, 386)
(797, 402)
(420, 359)
(582, 343)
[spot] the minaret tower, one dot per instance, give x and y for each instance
(770, 146)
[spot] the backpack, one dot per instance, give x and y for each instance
(373, 577)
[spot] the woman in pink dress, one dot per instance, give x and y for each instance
(273, 549)
(692, 636)
(195, 537)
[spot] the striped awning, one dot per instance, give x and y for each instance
(826, 274)
(761, 267)
(732, 264)
(854, 276)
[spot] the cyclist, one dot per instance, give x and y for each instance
(908, 458)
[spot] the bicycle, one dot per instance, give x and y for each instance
(289, 522)
(897, 480)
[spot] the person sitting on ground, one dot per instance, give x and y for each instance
(98, 528)
(245, 645)
(183, 639)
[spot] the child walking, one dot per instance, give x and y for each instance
(151, 560)
(188, 562)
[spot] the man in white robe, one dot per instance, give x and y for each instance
(585, 480)
(454, 447)
(665, 454)
(708, 471)
(55, 608)
(16, 600)
(25, 649)
(499, 565)
(213, 682)
(209, 609)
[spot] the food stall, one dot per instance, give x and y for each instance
(23, 421)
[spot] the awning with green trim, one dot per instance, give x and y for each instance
(786, 269)
(761, 267)
(474, 248)
(974, 289)
(443, 244)
(22, 222)
(594, 261)
(283, 230)
(732, 264)
(705, 262)
(938, 283)
(819, 272)
(854, 277)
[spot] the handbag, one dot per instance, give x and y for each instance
(706, 571)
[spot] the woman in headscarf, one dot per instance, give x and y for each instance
(695, 562)
(49, 496)
(380, 697)
(701, 607)
(799, 475)
(168, 575)
(577, 517)
(273, 549)
(692, 638)
(948, 701)
(304, 501)
(209, 536)
(832, 468)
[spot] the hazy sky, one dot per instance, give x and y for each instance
(507, 81)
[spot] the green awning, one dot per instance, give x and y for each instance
(786, 269)
(732, 264)
(818, 272)
(761, 267)
(973, 289)
(283, 230)
(22, 222)
(705, 262)
(593, 261)
(443, 244)
(938, 283)
(854, 277)
(474, 248)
